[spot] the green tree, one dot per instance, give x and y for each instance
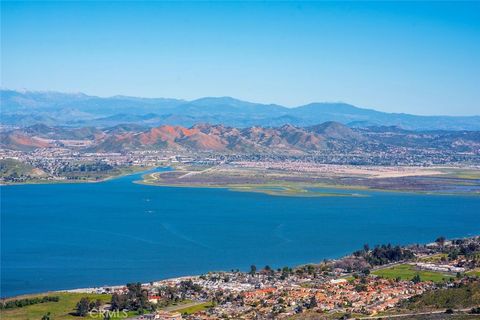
(310, 269)
(253, 269)
(440, 240)
(416, 278)
(118, 302)
(83, 306)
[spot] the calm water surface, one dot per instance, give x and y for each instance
(78, 235)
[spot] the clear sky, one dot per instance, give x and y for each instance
(421, 58)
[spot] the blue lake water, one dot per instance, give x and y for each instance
(63, 236)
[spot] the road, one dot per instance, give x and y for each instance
(191, 173)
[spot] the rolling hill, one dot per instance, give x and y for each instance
(286, 139)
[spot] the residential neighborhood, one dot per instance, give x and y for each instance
(358, 284)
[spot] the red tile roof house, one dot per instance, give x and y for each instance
(154, 299)
(260, 293)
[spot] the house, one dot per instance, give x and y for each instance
(154, 299)
(165, 315)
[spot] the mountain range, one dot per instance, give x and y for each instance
(286, 139)
(27, 108)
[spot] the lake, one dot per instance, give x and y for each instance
(61, 236)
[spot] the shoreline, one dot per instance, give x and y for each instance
(285, 188)
(302, 191)
(233, 188)
(102, 288)
(66, 181)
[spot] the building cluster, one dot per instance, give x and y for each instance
(325, 288)
(55, 160)
(54, 164)
(439, 267)
(239, 295)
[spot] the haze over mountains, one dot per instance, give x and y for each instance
(26, 108)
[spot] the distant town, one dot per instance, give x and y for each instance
(290, 173)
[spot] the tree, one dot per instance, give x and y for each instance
(387, 253)
(167, 292)
(285, 272)
(46, 316)
(366, 247)
(253, 269)
(83, 306)
(360, 287)
(312, 303)
(453, 255)
(310, 269)
(135, 299)
(416, 278)
(440, 240)
(475, 310)
(118, 302)
(94, 305)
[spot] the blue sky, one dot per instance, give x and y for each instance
(412, 57)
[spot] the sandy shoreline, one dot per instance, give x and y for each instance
(102, 289)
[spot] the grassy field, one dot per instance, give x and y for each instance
(284, 188)
(462, 173)
(58, 310)
(195, 308)
(434, 258)
(407, 272)
(12, 166)
(474, 272)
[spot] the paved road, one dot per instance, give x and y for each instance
(191, 173)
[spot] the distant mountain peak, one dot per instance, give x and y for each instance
(24, 108)
(219, 100)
